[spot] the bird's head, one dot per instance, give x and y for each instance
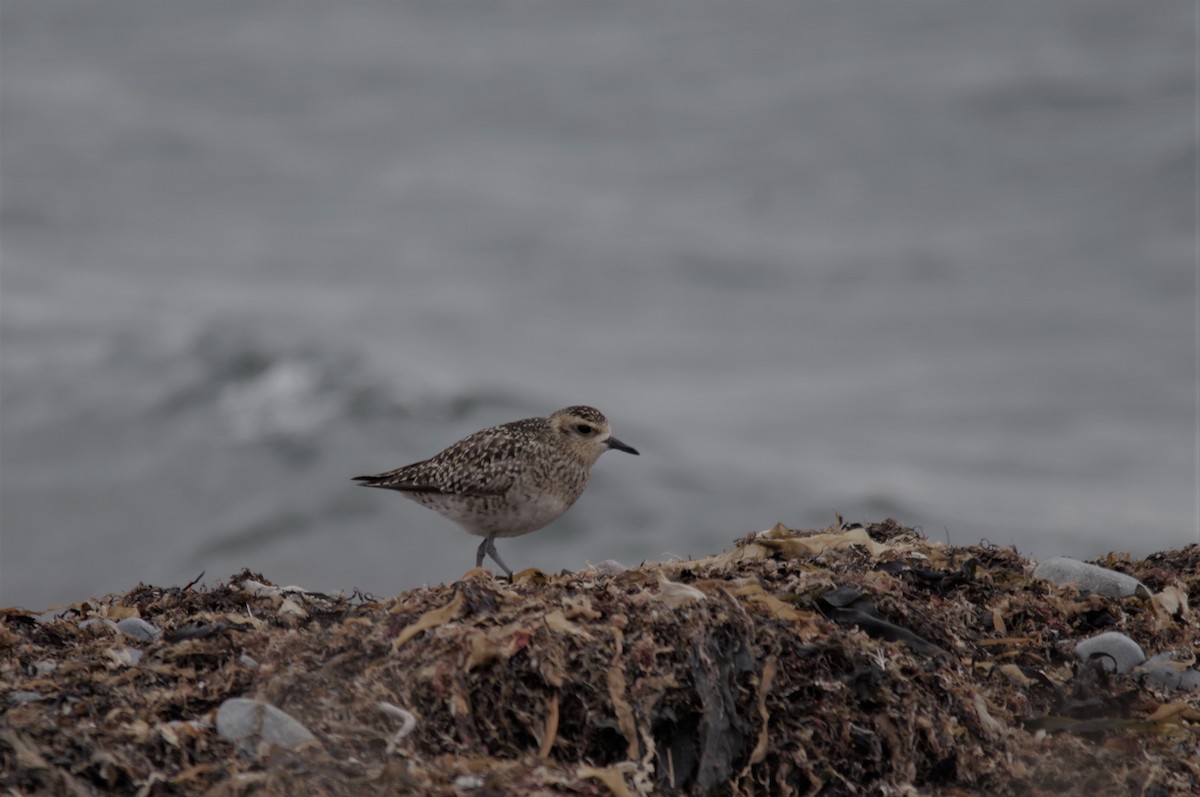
(586, 432)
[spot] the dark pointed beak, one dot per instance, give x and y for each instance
(617, 444)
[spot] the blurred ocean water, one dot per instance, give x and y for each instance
(929, 260)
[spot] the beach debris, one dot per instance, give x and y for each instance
(432, 619)
(407, 723)
(1171, 602)
(675, 594)
(905, 666)
(849, 606)
(97, 624)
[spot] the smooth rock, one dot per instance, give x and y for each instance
(243, 720)
(138, 628)
(467, 783)
(20, 696)
(1126, 653)
(1162, 672)
(43, 668)
(1093, 578)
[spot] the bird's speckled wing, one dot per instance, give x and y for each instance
(484, 463)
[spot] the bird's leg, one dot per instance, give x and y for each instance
(490, 542)
(483, 548)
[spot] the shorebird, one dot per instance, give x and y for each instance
(508, 480)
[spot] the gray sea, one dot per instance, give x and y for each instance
(929, 260)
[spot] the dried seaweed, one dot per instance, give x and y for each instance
(856, 660)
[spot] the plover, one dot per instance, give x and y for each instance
(508, 480)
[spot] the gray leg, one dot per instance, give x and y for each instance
(483, 546)
(490, 542)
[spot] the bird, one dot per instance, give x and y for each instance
(511, 479)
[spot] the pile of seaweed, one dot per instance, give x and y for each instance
(847, 661)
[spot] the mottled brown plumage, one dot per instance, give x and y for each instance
(510, 479)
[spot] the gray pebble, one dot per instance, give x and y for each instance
(467, 783)
(1124, 651)
(248, 721)
(19, 696)
(138, 628)
(1093, 578)
(46, 667)
(1160, 673)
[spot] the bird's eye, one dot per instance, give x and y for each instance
(583, 428)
